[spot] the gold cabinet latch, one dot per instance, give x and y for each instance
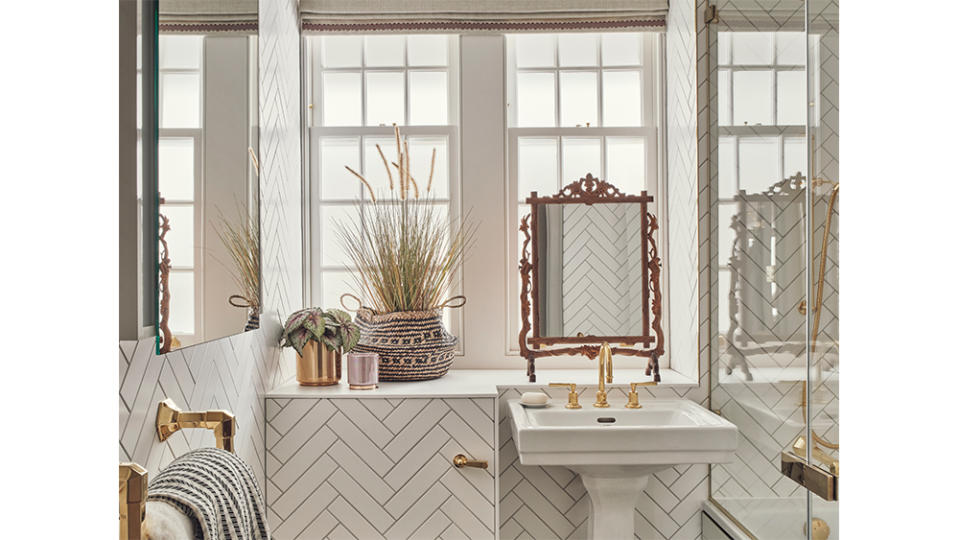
(462, 461)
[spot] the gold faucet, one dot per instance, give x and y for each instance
(605, 374)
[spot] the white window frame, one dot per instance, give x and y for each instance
(197, 136)
(315, 131)
(652, 117)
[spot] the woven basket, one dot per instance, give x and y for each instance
(412, 345)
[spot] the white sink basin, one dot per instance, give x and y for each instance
(615, 450)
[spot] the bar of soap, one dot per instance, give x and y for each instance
(534, 398)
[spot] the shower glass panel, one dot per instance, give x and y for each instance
(774, 141)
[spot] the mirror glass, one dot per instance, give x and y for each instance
(208, 244)
(589, 264)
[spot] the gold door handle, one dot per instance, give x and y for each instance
(573, 398)
(462, 461)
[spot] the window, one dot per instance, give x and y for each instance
(179, 158)
(578, 104)
(359, 86)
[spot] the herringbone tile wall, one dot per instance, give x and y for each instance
(235, 372)
(601, 254)
(379, 468)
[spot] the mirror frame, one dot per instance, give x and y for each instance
(590, 191)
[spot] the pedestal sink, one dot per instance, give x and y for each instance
(615, 450)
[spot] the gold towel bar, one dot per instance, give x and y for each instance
(171, 419)
(133, 497)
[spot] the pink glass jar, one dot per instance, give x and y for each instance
(362, 370)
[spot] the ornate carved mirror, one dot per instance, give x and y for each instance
(590, 274)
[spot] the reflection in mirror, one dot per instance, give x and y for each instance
(207, 171)
(589, 269)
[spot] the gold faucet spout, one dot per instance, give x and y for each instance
(605, 374)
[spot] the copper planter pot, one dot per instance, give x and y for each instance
(318, 366)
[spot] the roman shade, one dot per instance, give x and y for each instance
(207, 16)
(339, 16)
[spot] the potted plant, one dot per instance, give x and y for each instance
(319, 338)
(406, 256)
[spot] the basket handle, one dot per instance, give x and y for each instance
(234, 301)
(451, 302)
(359, 303)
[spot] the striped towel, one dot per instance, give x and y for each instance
(217, 491)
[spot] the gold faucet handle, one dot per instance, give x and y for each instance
(573, 402)
(633, 402)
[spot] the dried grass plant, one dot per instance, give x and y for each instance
(406, 254)
(241, 237)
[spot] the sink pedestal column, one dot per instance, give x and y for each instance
(613, 491)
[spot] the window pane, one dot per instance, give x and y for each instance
(335, 181)
(175, 168)
(622, 98)
(180, 238)
(752, 97)
(373, 168)
(725, 49)
(626, 163)
(538, 166)
(341, 99)
(331, 218)
(180, 52)
(421, 153)
(791, 48)
(180, 100)
(725, 95)
(428, 98)
(182, 315)
(578, 49)
(758, 163)
(536, 99)
(794, 156)
(342, 51)
(334, 284)
(790, 98)
(622, 49)
(727, 168)
(578, 100)
(727, 234)
(385, 97)
(580, 156)
(385, 50)
(428, 50)
(535, 50)
(751, 48)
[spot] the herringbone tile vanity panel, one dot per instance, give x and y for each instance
(234, 373)
(378, 468)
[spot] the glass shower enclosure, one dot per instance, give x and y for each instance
(774, 264)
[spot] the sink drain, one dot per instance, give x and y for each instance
(606, 420)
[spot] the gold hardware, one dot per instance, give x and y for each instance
(462, 461)
(799, 448)
(171, 419)
(133, 496)
(811, 477)
(633, 402)
(573, 402)
(605, 375)
(717, 412)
